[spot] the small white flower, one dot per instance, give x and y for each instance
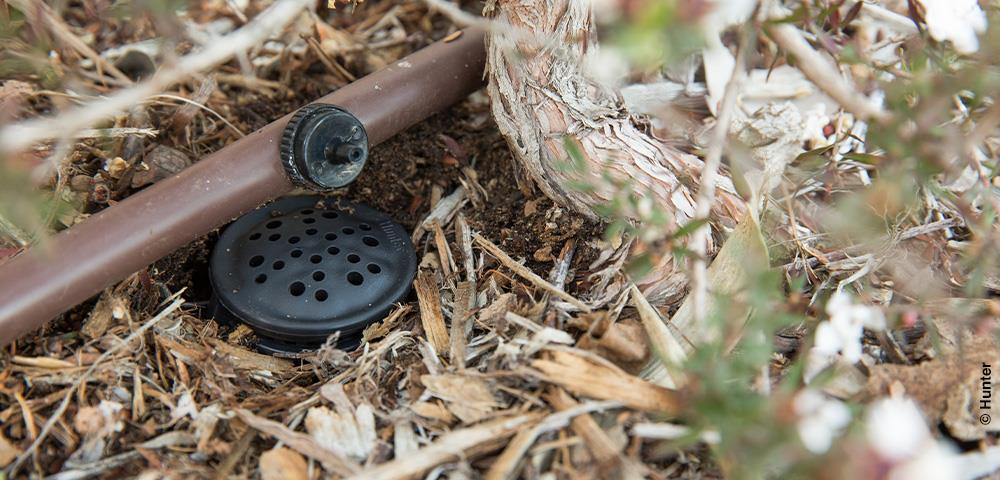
(820, 419)
(840, 337)
(896, 428)
(898, 433)
(935, 462)
(957, 21)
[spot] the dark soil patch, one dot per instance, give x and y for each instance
(402, 173)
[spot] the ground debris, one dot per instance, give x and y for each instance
(529, 348)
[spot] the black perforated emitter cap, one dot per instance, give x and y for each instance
(305, 267)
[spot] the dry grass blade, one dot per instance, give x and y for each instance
(447, 448)
(670, 352)
(527, 274)
(507, 465)
(589, 378)
(604, 451)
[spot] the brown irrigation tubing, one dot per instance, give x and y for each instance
(83, 260)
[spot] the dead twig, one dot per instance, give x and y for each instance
(34, 10)
(117, 132)
(429, 298)
(527, 274)
(507, 465)
(57, 415)
(824, 74)
(19, 136)
(605, 454)
(701, 238)
(447, 448)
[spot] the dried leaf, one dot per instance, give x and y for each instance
(663, 369)
(471, 399)
(453, 147)
(349, 433)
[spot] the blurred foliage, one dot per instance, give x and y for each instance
(655, 33)
(30, 209)
(757, 436)
(31, 55)
(936, 99)
(25, 52)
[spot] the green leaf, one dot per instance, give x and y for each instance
(577, 160)
(865, 158)
(689, 228)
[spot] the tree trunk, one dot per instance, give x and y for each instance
(541, 96)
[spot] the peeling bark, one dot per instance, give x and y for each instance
(540, 95)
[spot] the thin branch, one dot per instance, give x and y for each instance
(706, 193)
(116, 132)
(20, 136)
(527, 274)
(825, 74)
